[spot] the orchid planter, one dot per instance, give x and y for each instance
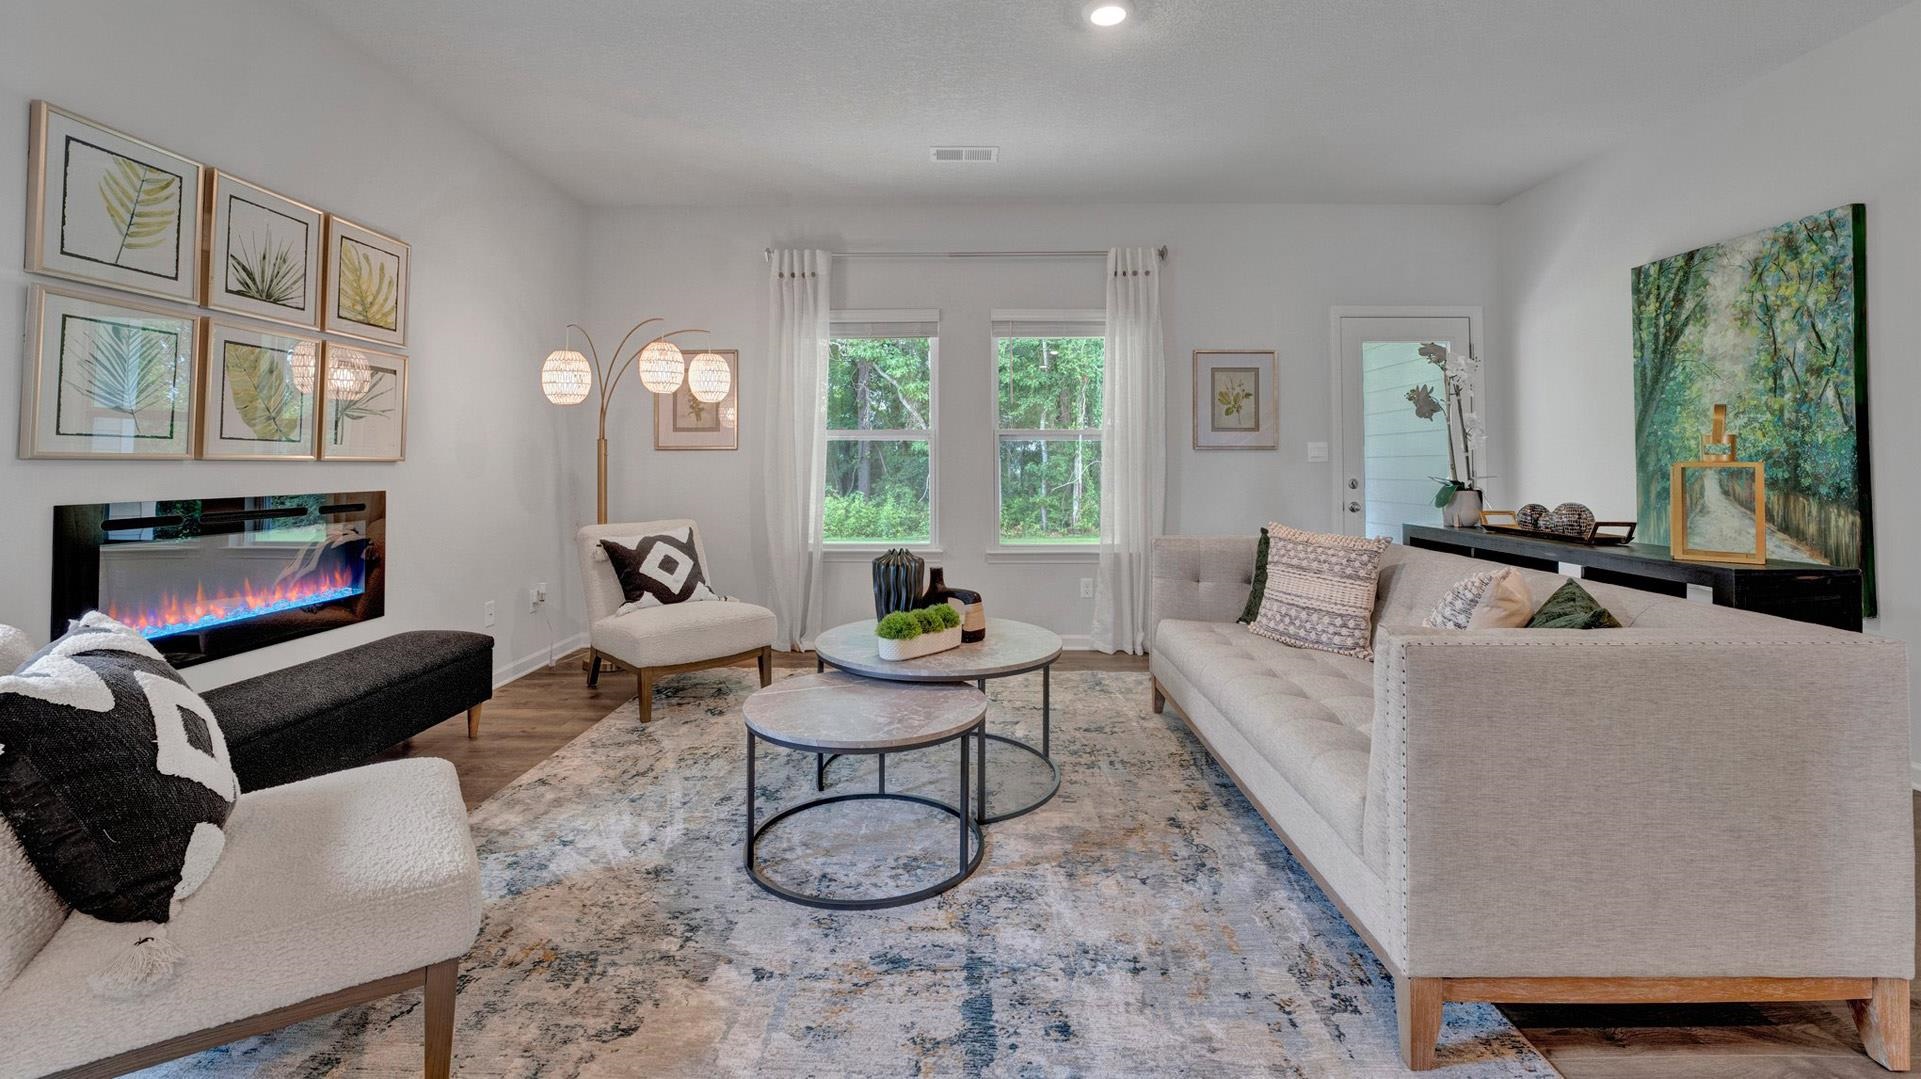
(915, 647)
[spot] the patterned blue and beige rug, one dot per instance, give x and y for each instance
(1145, 922)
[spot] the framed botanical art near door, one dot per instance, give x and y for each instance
(685, 422)
(259, 401)
(106, 377)
(111, 209)
(366, 293)
(263, 254)
(363, 404)
(1236, 401)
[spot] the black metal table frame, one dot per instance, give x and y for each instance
(1045, 752)
(969, 826)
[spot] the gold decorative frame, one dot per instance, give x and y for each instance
(724, 437)
(328, 354)
(210, 408)
(33, 383)
(219, 183)
(1679, 546)
(338, 229)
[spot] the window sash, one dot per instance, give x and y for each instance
(1049, 434)
(1046, 325)
(890, 325)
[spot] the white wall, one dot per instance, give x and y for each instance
(478, 510)
(1237, 277)
(1842, 124)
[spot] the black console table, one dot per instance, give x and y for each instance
(1803, 591)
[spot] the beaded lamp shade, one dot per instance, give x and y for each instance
(565, 377)
(708, 378)
(662, 367)
(303, 362)
(347, 373)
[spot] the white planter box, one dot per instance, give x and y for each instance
(924, 645)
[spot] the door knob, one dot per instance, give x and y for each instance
(1353, 484)
(1353, 507)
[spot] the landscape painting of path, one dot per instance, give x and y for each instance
(1774, 325)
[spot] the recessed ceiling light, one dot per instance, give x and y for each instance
(1107, 12)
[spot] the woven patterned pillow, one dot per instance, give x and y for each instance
(1497, 599)
(1320, 590)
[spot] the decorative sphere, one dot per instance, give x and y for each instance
(1530, 515)
(303, 361)
(708, 378)
(1570, 519)
(662, 367)
(566, 377)
(347, 372)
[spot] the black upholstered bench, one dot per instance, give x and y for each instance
(339, 710)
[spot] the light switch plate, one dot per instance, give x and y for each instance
(1316, 452)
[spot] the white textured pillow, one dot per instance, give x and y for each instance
(15, 649)
(29, 911)
(1496, 599)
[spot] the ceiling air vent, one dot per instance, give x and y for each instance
(944, 154)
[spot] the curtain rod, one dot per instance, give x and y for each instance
(768, 254)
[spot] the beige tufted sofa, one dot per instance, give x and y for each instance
(1706, 805)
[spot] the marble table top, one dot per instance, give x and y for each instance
(835, 711)
(1010, 648)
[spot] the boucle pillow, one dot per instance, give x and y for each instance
(658, 569)
(1496, 599)
(1320, 590)
(115, 778)
(15, 649)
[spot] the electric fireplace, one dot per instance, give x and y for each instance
(213, 577)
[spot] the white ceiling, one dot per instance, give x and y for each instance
(734, 102)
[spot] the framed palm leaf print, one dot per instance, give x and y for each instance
(107, 208)
(259, 398)
(366, 293)
(263, 253)
(106, 377)
(363, 404)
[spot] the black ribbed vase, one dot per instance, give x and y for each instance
(897, 576)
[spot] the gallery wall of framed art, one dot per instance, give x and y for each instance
(233, 362)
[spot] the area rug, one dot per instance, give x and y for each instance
(1144, 922)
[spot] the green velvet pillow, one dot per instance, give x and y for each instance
(1570, 607)
(1253, 608)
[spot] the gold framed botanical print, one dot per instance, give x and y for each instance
(258, 398)
(110, 209)
(106, 377)
(685, 422)
(1236, 401)
(363, 404)
(366, 284)
(1718, 511)
(263, 253)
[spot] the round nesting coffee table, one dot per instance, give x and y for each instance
(839, 713)
(1010, 648)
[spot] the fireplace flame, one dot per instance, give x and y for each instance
(171, 613)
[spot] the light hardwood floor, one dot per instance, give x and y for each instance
(535, 715)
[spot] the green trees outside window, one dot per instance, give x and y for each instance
(1047, 433)
(880, 420)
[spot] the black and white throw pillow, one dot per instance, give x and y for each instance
(115, 778)
(658, 569)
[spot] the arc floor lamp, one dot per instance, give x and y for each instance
(567, 377)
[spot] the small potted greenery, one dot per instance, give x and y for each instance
(912, 634)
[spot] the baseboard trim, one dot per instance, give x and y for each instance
(533, 662)
(1076, 642)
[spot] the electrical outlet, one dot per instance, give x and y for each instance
(487, 614)
(533, 599)
(1087, 588)
(541, 591)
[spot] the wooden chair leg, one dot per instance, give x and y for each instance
(644, 683)
(441, 979)
(766, 661)
(473, 722)
(1160, 699)
(1883, 1021)
(593, 670)
(1417, 1007)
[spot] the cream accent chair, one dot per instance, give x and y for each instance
(657, 641)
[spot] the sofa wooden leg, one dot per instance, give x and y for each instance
(1417, 1007)
(441, 978)
(593, 670)
(1883, 1020)
(1160, 699)
(766, 661)
(473, 722)
(644, 682)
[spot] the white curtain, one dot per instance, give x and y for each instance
(797, 452)
(1133, 449)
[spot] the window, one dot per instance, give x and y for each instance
(881, 428)
(1047, 426)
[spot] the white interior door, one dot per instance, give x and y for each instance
(1389, 455)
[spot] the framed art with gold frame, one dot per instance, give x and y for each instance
(106, 377)
(258, 394)
(366, 284)
(263, 253)
(363, 404)
(1718, 511)
(109, 209)
(683, 422)
(1236, 401)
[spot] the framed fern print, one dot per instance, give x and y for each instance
(263, 253)
(258, 397)
(363, 404)
(111, 209)
(106, 377)
(366, 294)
